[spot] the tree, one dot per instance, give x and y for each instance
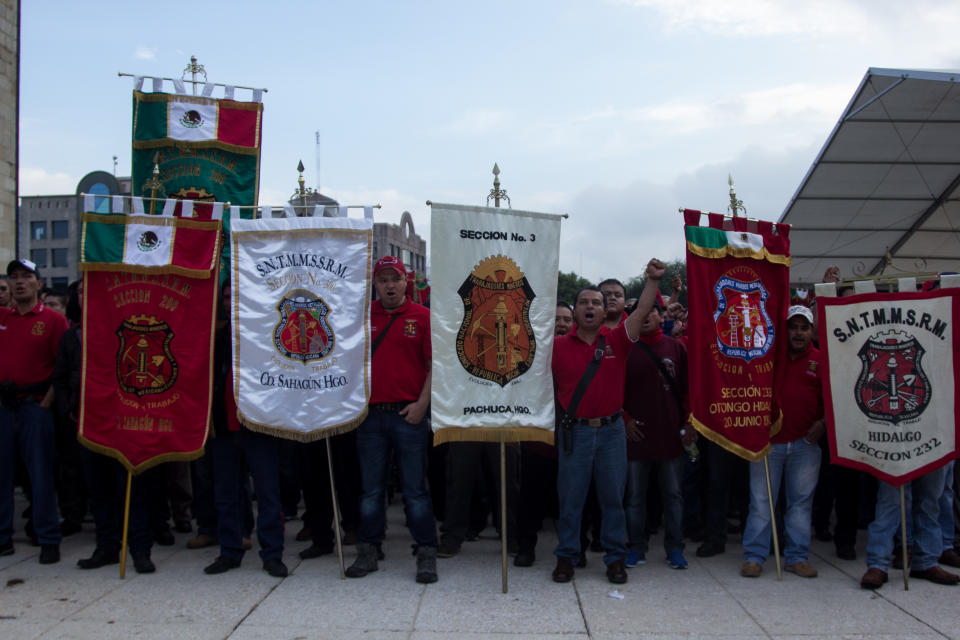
(634, 285)
(569, 285)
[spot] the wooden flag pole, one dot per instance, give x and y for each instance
(773, 519)
(336, 511)
(126, 526)
(503, 513)
(903, 539)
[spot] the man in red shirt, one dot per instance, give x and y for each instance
(794, 456)
(29, 337)
(599, 446)
(400, 395)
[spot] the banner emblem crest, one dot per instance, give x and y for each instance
(303, 332)
(496, 341)
(145, 364)
(744, 328)
(892, 386)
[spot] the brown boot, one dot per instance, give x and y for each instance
(873, 579)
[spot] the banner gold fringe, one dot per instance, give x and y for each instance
(205, 144)
(116, 267)
(299, 436)
(185, 456)
(763, 254)
(733, 447)
(486, 434)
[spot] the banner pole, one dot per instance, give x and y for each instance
(903, 539)
(336, 511)
(773, 519)
(126, 526)
(503, 513)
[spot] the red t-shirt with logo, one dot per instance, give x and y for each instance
(402, 360)
(801, 395)
(604, 396)
(29, 343)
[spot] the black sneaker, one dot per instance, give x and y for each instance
(6, 549)
(221, 565)
(143, 564)
(49, 553)
(710, 548)
(447, 550)
(275, 567)
(316, 550)
(524, 559)
(100, 558)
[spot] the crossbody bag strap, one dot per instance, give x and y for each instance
(568, 414)
(383, 334)
(665, 373)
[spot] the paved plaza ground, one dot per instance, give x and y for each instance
(708, 600)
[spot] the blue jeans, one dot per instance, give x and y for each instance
(380, 432)
(600, 452)
(262, 455)
(670, 475)
(946, 507)
(28, 429)
(927, 538)
(797, 464)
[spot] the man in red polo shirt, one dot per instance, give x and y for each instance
(399, 397)
(599, 446)
(794, 456)
(29, 337)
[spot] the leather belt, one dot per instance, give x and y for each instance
(389, 407)
(597, 422)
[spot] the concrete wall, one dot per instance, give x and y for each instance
(9, 70)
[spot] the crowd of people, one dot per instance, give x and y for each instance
(625, 464)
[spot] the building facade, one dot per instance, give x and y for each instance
(49, 226)
(9, 125)
(400, 240)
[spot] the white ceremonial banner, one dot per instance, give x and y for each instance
(891, 385)
(301, 324)
(493, 296)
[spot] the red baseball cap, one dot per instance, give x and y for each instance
(390, 262)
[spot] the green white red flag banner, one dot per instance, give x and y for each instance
(738, 291)
(301, 324)
(493, 302)
(891, 385)
(206, 148)
(148, 337)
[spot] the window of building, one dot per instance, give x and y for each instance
(60, 284)
(38, 257)
(408, 259)
(100, 205)
(38, 230)
(59, 229)
(59, 257)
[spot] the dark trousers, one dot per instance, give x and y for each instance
(314, 476)
(538, 496)
(107, 484)
(71, 486)
(726, 475)
(204, 508)
(472, 465)
(262, 455)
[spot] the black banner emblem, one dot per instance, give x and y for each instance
(145, 364)
(892, 386)
(496, 340)
(303, 332)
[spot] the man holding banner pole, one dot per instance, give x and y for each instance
(794, 456)
(590, 437)
(400, 395)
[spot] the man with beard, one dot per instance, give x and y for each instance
(592, 442)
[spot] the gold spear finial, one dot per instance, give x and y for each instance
(153, 186)
(497, 193)
(736, 206)
(302, 193)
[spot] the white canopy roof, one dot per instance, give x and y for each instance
(887, 179)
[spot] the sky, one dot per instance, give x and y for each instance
(616, 112)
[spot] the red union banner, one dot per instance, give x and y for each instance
(891, 381)
(738, 291)
(148, 323)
